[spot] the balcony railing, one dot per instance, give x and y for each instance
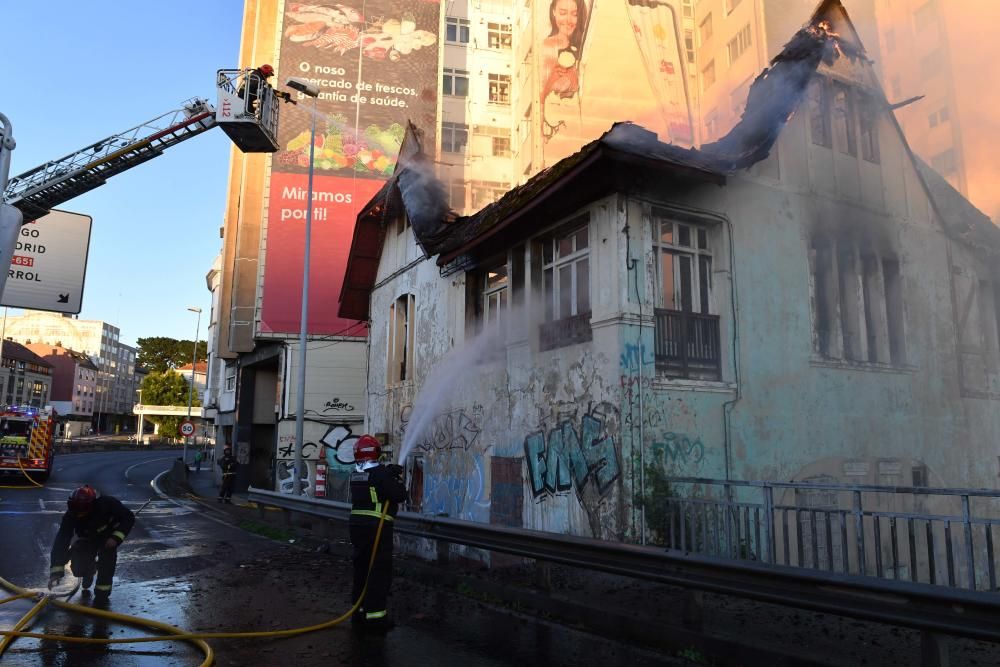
(687, 345)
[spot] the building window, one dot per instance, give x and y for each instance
(456, 195)
(939, 117)
(230, 378)
(456, 30)
(400, 339)
(868, 121)
(857, 302)
(819, 119)
(705, 29)
(708, 75)
(566, 284)
(686, 339)
(687, 7)
(738, 45)
(738, 98)
(455, 82)
(501, 146)
(489, 296)
(498, 35)
(689, 45)
(499, 89)
(944, 162)
(454, 137)
(487, 192)
(843, 120)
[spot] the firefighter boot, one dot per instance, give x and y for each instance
(85, 584)
(102, 597)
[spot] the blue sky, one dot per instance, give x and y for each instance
(77, 72)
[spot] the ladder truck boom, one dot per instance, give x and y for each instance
(248, 112)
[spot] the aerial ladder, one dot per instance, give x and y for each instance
(247, 110)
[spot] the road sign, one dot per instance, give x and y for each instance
(186, 428)
(49, 264)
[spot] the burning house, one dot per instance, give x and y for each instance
(801, 300)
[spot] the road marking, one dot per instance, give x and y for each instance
(142, 463)
(201, 511)
(41, 503)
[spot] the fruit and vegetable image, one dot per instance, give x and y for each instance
(341, 28)
(371, 152)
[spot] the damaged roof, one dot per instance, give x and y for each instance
(959, 216)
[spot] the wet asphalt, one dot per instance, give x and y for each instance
(185, 565)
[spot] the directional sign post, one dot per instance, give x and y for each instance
(186, 428)
(49, 263)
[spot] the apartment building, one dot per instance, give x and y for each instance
(74, 387)
(116, 381)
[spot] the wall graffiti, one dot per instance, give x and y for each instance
(455, 429)
(286, 476)
(338, 444)
(286, 449)
(568, 455)
(677, 449)
(635, 356)
(337, 404)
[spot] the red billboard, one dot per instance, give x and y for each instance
(375, 70)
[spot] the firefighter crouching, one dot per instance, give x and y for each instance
(375, 488)
(101, 524)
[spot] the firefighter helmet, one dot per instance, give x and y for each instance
(81, 500)
(266, 70)
(367, 448)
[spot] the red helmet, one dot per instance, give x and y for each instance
(81, 500)
(367, 448)
(266, 70)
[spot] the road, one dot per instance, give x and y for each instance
(184, 566)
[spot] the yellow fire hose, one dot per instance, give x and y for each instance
(26, 476)
(174, 634)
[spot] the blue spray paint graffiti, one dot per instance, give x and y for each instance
(677, 449)
(569, 455)
(635, 356)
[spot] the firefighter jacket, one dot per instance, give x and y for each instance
(107, 518)
(228, 464)
(371, 488)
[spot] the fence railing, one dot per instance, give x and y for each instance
(936, 536)
(687, 344)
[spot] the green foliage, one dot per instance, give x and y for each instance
(169, 388)
(660, 512)
(160, 353)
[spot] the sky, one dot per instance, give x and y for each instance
(77, 72)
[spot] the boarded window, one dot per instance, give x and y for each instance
(506, 491)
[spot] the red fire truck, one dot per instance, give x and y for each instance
(27, 442)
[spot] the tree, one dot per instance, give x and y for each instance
(161, 353)
(168, 388)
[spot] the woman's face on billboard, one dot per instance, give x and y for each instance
(564, 16)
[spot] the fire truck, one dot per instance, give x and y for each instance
(27, 441)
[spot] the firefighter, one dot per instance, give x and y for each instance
(101, 524)
(252, 86)
(229, 465)
(375, 488)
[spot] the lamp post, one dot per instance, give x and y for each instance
(194, 356)
(138, 430)
(309, 90)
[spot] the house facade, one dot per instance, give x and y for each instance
(74, 386)
(802, 301)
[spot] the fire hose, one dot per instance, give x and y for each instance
(26, 475)
(173, 633)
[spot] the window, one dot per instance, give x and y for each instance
(708, 75)
(456, 30)
(455, 82)
(499, 89)
(843, 120)
(454, 137)
(705, 29)
(566, 284)
(689, 45)
(919, 473)
(230, 378)
(738, 98)
(938, 117)
(400, 340)
(487, 192)
(501, 146)
(688, 8)
(686, 338)
(944, 162)
(819, 119)
(491, 298)
(857, 302)
(456, 195)
(711, 124)
(868, 121)
(738, 45)
(498, 35)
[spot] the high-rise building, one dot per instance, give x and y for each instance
(943, 51)
(116, 381)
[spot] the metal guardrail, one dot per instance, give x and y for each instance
(934, 609)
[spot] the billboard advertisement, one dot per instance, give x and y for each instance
(49, 264)
(376, 66)
(605, 62)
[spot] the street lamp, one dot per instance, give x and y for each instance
(138, 430)
(194, 356)
(309, 90)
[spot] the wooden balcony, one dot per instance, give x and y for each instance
(687, 345)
